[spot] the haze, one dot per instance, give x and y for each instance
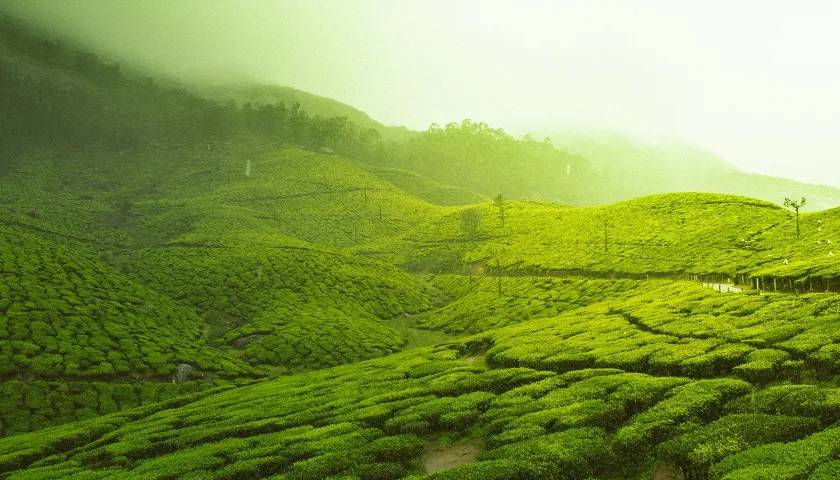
(756, 82)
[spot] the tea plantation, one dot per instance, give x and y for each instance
(671, 234)
(582, 363)
(375, 419)
(278, 305)
(483, 302)
(66, 315)
(200, 290)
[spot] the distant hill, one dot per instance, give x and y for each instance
(477, 157)
(631, 167)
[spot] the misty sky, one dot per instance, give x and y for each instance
(756, 81)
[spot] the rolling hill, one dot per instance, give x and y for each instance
(194, 289)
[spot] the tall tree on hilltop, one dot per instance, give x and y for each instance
(795, 206)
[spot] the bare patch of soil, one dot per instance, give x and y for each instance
(445, 458)
(664, 472)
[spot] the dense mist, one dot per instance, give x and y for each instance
(759, 89)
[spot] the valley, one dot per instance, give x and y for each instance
(197, 289)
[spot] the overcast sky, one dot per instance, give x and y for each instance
(758, 82)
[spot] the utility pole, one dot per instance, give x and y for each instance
(606, 224)
(499, 275)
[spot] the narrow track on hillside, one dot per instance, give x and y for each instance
(305, 195)
(75, 238)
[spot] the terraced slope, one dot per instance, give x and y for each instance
(232, 240)
(67, 315)
(671, 235)
(376, 419)
(318, 198)
(78, 338)
(682, 328)
(291, 306)
(481, 303)
(808, 260)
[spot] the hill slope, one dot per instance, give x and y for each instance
(541, 409)
(149, 235)
(631, 168)
(174, 244)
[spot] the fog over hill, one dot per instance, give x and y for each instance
(213, 276)
(765, 99)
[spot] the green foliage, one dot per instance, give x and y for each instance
(574, 453)
(808, 400)
(781, 461)
(234, 239)
(700, 448)
(293, 307)
(679, 328)
(374, 419)
(27, 406)
(476, 305)
(474, 156)
(67, 314)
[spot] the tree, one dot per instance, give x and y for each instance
(470, 220)
(795, 206)
(499, 202)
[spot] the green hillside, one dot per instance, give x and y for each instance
(684, 235)
(426, 189)
(556, 418)
(78, 339)
(668, 235)
(479, 158)
(220, 252)
(68, 315)
(264, 289)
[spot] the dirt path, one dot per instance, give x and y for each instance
(666, 473)
(445, 458)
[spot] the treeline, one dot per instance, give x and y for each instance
(487, 160)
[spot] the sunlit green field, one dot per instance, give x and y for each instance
(208, 290)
